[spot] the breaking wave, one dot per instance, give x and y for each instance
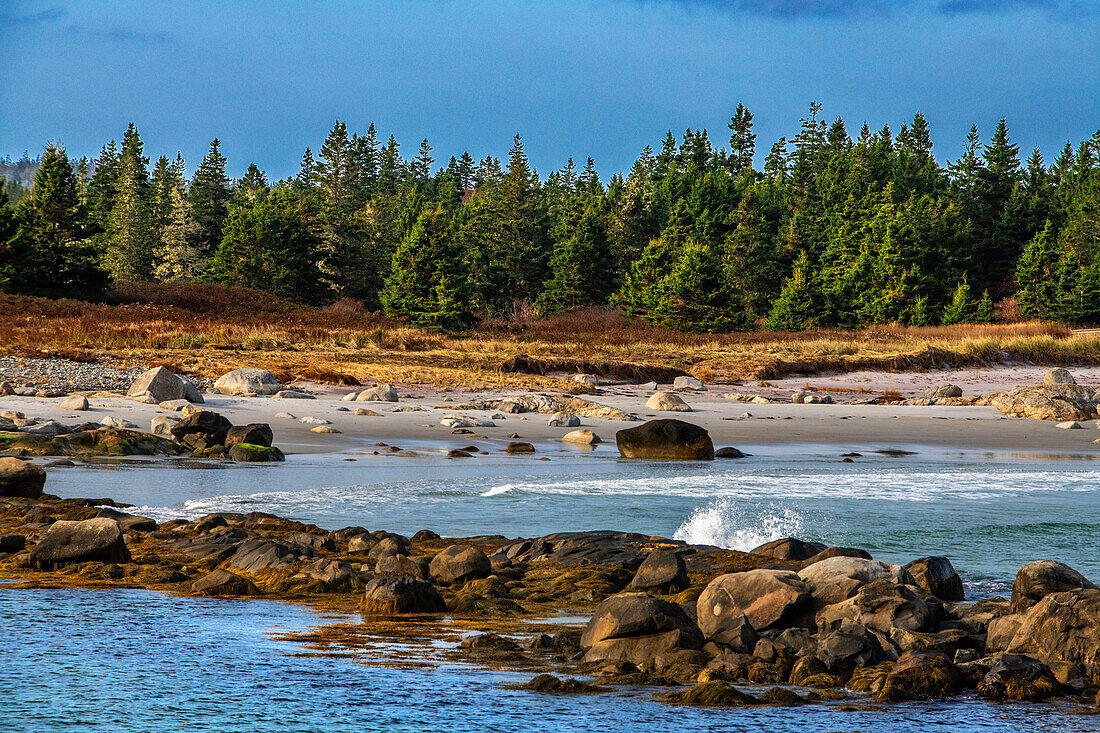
(728, 524)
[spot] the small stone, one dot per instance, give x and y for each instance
(564, 420)
(1058, 375)
(581, 437)
(285, 416)
(74, 402)
(292, 394)
(520, 448)
(365, 411)
(117, 422)
(688, 383)
(311, 420)
(324, 429)
(1070, 425)
(587, 379)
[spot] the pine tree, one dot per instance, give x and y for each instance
(984, 312)
(129, 244)
(209, 198)
(175, 256)
(799, 302)
(742, 139)
(421, 167)
(641, 293)
(579, 266)
(1036, 275)
(961, 308)
(696, 296)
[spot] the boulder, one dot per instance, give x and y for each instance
(257, 554)
(637, 627)
(686, 382)
(74, 402)
(788, 548)
(206, 424)
(626, 550)
(728, 452)
(519, 447)
(162, 425)
(922, 675)
(361, 543)
(389, 595)
(564, 420)
(224, 583)
(882, 606)
(162, 385)
(386, 546)
(249, 453)
(20, 478)
(581, 437)
(13, 542)
(944, 391)
(663, 571)
(129, 522)
(248, 380)
(459, 563)
(937, 576)
(293, 394)
(183, 406)
(402, 565)
(335, 575)
(839, 578)
(1062, 627)
(768, 598)
(381, 393)
(836, 552)
(1060, 402)
(257, 433)
(847, 647)
(1038, 579)
(110, 421)
(1018, 677)
(667, 402)
(587, 379)
(88, 540)
(665, 440)
(1058, 375)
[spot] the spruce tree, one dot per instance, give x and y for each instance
(742, 139)
(799, 302)
(580, 267)
(175, 256)
(130, 238)
(209, 198)
(1036, 275)
(961, 308)
(698, 297)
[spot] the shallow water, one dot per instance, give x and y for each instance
(989, 512)
(111, 660)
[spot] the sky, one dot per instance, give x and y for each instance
(600, 78)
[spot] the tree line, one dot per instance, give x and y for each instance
(833, 231)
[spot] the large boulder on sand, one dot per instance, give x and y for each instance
(257, 433)
(459, 563)
(1059, 403)
(581, 437)
(75, 402)
(162, 385)
(789, 548)
(381, 393)
(768, 598)
(665, 440)
(248, 380)
(88, 540)
(1063, 627)
(636, 627)
(936, 575)
(667, 402)
(1058, 375)
(837, 579)
(1038, 579)
(883, 606)
(401, 595)
(20, 478)
(685, 382)
(663, 571)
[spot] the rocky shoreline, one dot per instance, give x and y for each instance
(814, 624)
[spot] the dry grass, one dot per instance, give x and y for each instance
(207, 330)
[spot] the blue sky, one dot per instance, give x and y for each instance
(578, 77)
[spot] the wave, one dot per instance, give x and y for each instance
(726, 523)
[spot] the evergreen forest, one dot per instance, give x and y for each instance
(834, 230)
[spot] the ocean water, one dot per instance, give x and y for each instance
(129, 661)
(988, 512)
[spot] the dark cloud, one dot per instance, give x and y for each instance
(857, 8)
(48, 15)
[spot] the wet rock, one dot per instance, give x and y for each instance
(947, 641)
(67, 542)
(13, 543)
(847, 647)
(362, 543)
(921, 675)
(619, 549)
(937, 576)
(402, 565)
(788, 548)
(162, 385)
(711, 694)
(395, 545)
(389, 595)
(667, 402)
(1062, 627)
(883, 606)
(316, 541)
(129, 522)
(768, 598)
(637, 627)
(663, 571)
(224, 583)
(1018, 677)
(249, 453)
(248, 380)
(581, 437)
(549, 684)
(255, 555)
(162, 425)
(425, 535)
(205, 424)
(21, 478)
(665, 440)
(460, 563)
(217, 544)
(1038, 579)
(332, 574)
(324, 430)
(257, 433)
(837, 579)
(728, 452)
(836, 552)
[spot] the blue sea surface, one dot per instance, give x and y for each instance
(141, 661)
